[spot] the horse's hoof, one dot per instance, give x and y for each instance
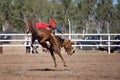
(56, 66)
(65, 65)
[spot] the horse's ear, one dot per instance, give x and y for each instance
(67, 40)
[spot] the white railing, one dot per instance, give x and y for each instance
(73, 37)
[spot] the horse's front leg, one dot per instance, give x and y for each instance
(58, 51)
(53, 57)
(60, 55)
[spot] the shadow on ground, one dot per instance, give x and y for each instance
(47, 69)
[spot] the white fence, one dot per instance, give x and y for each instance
(19, 39)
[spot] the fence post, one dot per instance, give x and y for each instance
(109, 44)
(1, 48)
(69, 29)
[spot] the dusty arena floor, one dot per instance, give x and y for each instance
(93, 66)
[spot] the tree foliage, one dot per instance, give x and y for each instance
(81, 13)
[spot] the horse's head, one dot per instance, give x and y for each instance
(68, 47)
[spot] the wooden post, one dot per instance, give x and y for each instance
(1, 48)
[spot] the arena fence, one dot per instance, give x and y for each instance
(19, 39)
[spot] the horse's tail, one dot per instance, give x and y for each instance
(31, 24)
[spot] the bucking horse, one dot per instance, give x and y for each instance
(43, 36)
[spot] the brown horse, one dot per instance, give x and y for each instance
(44, 35)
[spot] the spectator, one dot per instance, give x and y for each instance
(28, 43)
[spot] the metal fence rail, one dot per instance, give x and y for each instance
(73, 37)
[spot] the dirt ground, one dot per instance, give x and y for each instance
(16, 65)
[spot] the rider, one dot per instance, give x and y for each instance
(54, 26)
(51, 26)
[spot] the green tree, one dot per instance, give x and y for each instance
(80, 12)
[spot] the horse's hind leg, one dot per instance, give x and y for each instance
(43, 40)
(33, 40)
(44, 45)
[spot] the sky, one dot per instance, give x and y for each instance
(115, 2)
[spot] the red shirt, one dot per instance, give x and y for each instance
(41, 25)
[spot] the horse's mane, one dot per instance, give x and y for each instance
(60, 39)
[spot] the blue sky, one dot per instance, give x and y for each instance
(115, 2)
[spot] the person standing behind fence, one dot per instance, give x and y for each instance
(28, 43)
